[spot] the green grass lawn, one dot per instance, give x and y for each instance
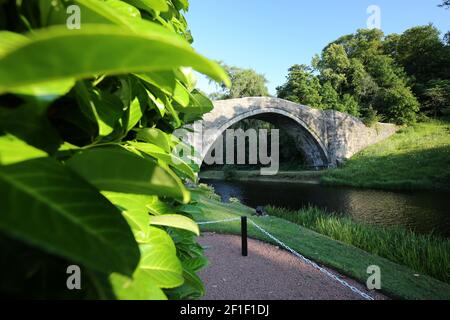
(397, 281)
(417, 157)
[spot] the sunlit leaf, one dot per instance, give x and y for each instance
(128, 173)
(175, 221)
(57, 54)
(14, 150)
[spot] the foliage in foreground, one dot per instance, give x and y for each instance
(417, 157)
(426, 254)
(87, 172)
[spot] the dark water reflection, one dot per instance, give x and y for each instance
(421, 211)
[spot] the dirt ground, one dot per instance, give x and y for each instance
(267, 273)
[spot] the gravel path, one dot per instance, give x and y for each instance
(268, 273)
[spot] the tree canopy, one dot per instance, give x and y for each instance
(244, 83)
(369, 74)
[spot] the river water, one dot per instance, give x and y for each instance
(421, 211)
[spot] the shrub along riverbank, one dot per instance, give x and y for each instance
(398, 281)
(426, 254)
(417, 157)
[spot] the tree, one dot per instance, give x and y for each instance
(244, 83)
(356, 75)
(302, 86)
(422, 53)
(437, 98)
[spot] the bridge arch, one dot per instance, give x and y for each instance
(327, 137)
(307, 141)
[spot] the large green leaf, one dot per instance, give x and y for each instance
(159, 268)
(149, 5)
(156, 137)
(119, 170)
(47, 205)
(14, 150)
(140, 287)
(10, 40)
(171, 159)
(56, 54)
(161, 265)
(175, 221)
(133, 207)
(167, 83)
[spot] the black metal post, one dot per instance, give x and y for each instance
(244, 236)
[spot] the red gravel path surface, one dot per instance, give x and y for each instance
(268, 273)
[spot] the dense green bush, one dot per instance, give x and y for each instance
(87, 171)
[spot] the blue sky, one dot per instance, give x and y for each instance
(272, 35)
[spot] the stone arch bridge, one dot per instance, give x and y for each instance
(325, 137)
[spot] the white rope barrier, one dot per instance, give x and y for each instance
(218, 221)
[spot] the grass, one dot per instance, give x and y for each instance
(426, 254)
(398, 281)
(417, 157)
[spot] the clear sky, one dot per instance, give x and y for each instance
(272, 35)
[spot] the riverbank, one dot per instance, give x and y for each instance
(294, 176)
(398, 281)
(415, 158)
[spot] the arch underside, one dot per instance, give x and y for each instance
(306, 141)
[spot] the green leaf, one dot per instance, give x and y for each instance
(156, 137)
(158, 207)
(127, 173)
(175, 221)
(14, 150)
(140, 287)
(191, 289)
(56, 54)
(135, 113)
(101, 107)
(48, 206)
(133, 208)
(149, 5)
(159, 268)
(167, 83)
(10, 40)
(198, 105)
(161, 265)
(170, 159)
